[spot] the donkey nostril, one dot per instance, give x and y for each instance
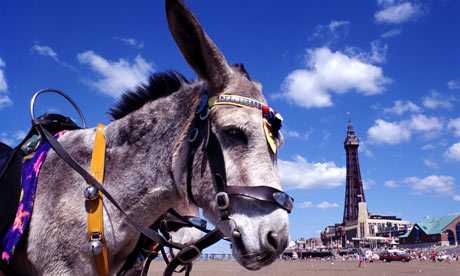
(273, 239)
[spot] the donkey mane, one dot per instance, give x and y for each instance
(159, 85)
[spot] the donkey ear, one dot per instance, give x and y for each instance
(198, 49)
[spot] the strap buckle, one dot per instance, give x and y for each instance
(188, 254)
(223, 201)
(193, 135)
(96, 236)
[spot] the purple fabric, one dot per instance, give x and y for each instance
(30, 170)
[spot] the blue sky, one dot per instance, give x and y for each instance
(393, 64)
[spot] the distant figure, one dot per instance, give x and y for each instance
(434, 256)
(361, 257)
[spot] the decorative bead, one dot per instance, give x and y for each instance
(91, 192)
(236, 234)
(95, 247)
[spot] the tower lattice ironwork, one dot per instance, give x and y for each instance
(354, 192)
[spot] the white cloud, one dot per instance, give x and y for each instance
(367, 183)
(397, 132)
(396, 13)
(327, 72)
(291, 133)
(430, 164)
(19, 135)
(428, 147)
(3, 84)
(453, 153)
(453, 84)
(378, 53)
(4, 99)
(301, 174)
(12, 138)
(457, 197)
(363, 147)
(440, 185)
(437, 99)
(391, 184)
(294, 134)
(44, 51)
(391, 33)
(306, 204)
(401, 106)
(327, 205)
(116, 77)
(455, 125)
(388, 132)
(131, 41)
(422, 123)
(333, 32)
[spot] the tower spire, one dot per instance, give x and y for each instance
(354, 192)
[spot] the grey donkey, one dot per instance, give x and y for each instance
(146, 161)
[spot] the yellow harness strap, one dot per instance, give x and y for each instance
(94, 207)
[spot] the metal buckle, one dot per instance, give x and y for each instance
(203, 103)
(204, 113)
(284, 200)
(193, 135)
(198, 221)
(223, 201)
(188, 254)
(96, 236)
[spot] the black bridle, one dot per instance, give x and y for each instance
(201, 134)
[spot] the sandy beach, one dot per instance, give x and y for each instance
(316, 268)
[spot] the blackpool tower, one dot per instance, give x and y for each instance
(354, 192)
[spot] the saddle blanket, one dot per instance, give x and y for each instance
(30, 171)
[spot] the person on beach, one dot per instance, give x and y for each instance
(361, 257)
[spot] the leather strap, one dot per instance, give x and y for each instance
(190, 253)
(94, 207)
(263, 193)
(185, 221)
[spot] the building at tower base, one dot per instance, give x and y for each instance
(359, 227)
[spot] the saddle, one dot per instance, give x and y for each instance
(10, 185)
(11, 160)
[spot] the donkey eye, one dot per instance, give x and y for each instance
(237, 135)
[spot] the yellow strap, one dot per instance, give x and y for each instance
(270, 137)
(94, 207)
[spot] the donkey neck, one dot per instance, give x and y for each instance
(139, 152)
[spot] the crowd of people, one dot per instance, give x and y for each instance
(434, 256)
(365, 255)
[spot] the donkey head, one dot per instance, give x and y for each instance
(261, 226)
